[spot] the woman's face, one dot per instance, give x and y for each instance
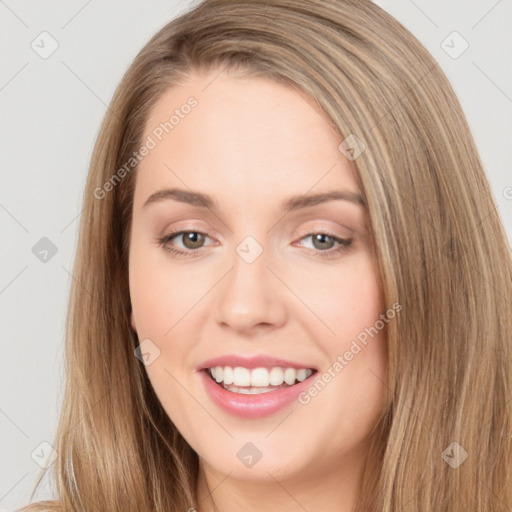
(262, 271)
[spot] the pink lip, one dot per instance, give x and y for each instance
(252, 406)
(251, 362)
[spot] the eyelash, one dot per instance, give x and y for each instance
(344, 244)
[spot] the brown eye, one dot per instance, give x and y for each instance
(320, 243)
(326, 245)
(192, 239)
(188, 243)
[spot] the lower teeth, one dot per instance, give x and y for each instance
(252, 390)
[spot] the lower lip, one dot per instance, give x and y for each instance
(252, 406)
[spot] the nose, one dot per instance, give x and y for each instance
(251, 297)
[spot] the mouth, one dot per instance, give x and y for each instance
(255, 381)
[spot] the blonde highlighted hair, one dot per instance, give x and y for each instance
(440, 247)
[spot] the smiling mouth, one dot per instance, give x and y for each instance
(258, 380)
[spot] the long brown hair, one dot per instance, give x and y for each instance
(440, 248)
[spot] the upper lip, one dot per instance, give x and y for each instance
(261, 361)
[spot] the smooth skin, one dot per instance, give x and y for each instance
(251, 144)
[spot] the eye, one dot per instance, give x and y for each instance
(192, 241)
(324, 242)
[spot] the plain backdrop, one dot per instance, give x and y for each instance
(51, 109)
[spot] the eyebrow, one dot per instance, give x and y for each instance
(293, 203)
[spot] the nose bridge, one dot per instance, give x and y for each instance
(249, 294)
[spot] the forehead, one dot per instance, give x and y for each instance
(244, 139)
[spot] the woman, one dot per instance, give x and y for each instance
(243, 137)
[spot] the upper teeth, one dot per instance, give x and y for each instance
(259, 377)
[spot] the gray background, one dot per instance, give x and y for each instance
(51, 110)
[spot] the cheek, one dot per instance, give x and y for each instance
(160, 294)
(355, 343)
(347, 301)
(359, 304)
